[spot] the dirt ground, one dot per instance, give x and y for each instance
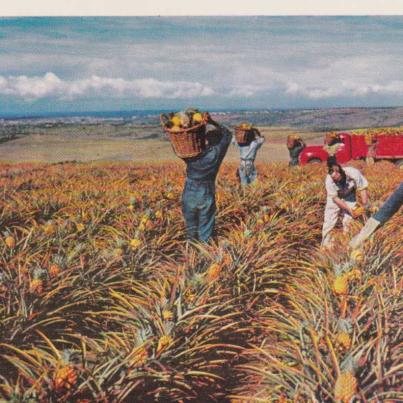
(62, 147)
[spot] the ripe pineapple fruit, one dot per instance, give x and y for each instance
(117, 252)
(176, 121)
(65, 378)
(135, 243)
(345, 387)
(357, 256)
(355, 274)
(54, 270)
(80, 227)
(358, 211)
(197, 117)
(340, 285)
(167, 314)
(36, 285)
(49, 228)
(213, 272)
(10, 241)
(343, 340)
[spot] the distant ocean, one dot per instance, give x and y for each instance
(149, 116)
(98, 114)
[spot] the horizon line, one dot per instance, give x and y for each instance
(89, 113)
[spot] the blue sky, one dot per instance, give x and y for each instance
(94, 64)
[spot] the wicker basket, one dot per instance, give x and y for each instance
(331, 137)
(292, 139)
(187, 143)
(244, 135)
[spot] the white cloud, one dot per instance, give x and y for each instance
(50, 85)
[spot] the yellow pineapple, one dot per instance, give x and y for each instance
(80, 227)
(343, 339)
(36, 286)
(345, 387)
(167, 314)
(117, 252)
(10, 241)
(176, 120)
(135, 243)
(49, 228)
(197, 117)
(358, 211)
(357, 255)
(340, 285)
(54, 270)
(213, 272)
(355, 274)
(65, 378)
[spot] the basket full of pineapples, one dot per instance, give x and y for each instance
(186, 131)
(245, 133)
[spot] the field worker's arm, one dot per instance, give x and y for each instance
(331, 190)
(226, 136)
(253, 147)
(391, 205)
(342, 204)
(364, 196)
(362, 185)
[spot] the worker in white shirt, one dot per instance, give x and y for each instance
(342, 185)
(247, 170)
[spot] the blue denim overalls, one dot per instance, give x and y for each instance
(391, 206)
(198, 198)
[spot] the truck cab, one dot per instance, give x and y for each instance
(355, 147)
(312, 154)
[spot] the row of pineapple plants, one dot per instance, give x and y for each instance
(335, 336)
(103, 300)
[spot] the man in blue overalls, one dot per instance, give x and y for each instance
(247, 170)
(198, 198)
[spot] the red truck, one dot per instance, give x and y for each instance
(389, 147)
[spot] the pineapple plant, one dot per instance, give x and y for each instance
(37, 283)
(270, 320)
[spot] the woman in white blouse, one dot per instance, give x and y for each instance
(342, 184)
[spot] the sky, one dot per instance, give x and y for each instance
(78, 64)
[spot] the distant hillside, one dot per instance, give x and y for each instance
(141, 125)
(323, 119)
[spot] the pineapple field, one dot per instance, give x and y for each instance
(103, 300)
